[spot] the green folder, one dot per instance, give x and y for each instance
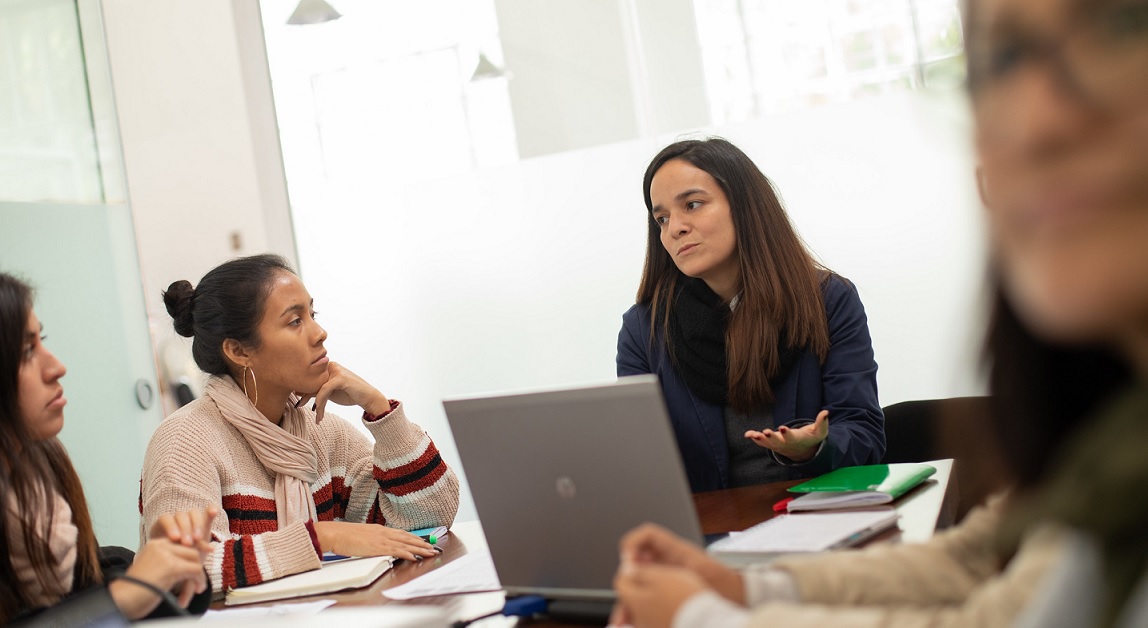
(892, 479)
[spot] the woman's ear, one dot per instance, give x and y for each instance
(236, 353)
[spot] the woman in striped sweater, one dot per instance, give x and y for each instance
(291, 481)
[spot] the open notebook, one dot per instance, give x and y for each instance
(332, 576)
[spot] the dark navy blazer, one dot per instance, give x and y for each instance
(846, 386)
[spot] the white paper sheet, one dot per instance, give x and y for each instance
(811, 532)
(301, 608)
(469, 574)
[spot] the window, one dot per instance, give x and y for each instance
(766, 56)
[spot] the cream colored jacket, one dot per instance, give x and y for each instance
(956, 580)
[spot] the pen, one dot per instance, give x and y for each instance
(431, 536)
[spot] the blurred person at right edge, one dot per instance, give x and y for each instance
(1059, 91)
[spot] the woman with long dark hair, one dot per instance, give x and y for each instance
(50, 554)
(291, 481)
(1060, 99)
(764, 356)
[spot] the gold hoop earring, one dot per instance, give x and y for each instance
(255, 384)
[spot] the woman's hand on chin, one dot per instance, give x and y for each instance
(799, 444)
(347, 389)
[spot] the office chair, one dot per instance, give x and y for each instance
(912, 431)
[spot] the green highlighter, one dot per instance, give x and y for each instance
(431, 535)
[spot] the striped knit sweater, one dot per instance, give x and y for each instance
(196, 459)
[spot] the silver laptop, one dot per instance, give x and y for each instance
(559, 476)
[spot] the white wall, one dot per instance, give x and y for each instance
(591, 72)
(518, 277)
(200, 142)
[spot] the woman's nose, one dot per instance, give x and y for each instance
(1043, 120)
(55, 368)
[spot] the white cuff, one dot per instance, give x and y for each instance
(786, 462)
(710, 610)
(767, 584)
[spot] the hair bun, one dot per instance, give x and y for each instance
(178, 298)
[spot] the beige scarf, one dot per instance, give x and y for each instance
(283, 448)
(61, 541)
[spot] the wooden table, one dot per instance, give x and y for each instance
(929, 507)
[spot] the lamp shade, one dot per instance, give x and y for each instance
(486, 69)
(313, 12)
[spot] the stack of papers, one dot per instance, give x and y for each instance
(471, 573)
(332, 576)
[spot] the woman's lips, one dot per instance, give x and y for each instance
(321, 360)
(58, 400)
(687, 248)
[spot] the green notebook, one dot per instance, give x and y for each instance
(859, 487)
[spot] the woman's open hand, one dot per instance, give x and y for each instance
(799, 444)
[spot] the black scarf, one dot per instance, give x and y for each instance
(698, 321)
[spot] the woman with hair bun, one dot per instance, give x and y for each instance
(290, 481)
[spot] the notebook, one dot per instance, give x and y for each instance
(331, 576)
(559, 476)
(858, 487)
(802, 533)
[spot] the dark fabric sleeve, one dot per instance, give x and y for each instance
(93, 607)
(633, 346)
(849, 384)
(115, 560)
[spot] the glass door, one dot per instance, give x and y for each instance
(66, 227)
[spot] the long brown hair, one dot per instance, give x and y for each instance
(1042, 392)
(780, 282)
(28, 469)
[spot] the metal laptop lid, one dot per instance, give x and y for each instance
(559, 476)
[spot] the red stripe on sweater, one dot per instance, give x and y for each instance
(250, 514)
(410, 467)
(376, 515)
(425, 481)
(321, 497)
(246, 565)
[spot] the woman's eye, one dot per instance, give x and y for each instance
(296, 322)
(661, 220)
(29, 351)
(693, 204)
(314, 315)
(1125, 22)
(1005, 59)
